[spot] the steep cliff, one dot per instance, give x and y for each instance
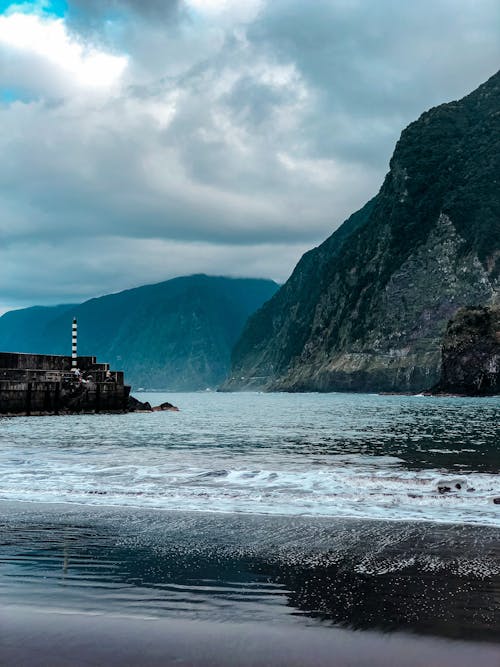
(471, 353)
(174, 335)
(367, 309)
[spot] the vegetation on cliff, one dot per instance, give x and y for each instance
(367, 309)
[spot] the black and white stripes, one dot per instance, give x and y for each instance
(73, 346)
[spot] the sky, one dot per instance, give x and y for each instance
(146, 139)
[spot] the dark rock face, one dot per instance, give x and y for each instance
(367, 309)
(471, 353)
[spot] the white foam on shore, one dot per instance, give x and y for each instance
(370, 489)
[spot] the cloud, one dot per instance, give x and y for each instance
(374, 67)
(47, 41)
(161, 138)
(86, 271)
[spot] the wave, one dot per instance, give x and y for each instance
(373, 490)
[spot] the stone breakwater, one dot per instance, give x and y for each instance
(36, 384)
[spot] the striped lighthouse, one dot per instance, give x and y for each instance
(74, 344)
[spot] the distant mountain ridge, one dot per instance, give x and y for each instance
(175, 335)
(367, 309)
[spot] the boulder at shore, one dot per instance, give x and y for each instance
(134, 405)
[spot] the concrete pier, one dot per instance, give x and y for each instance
(39, 384)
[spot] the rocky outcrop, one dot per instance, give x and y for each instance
(165, 407)
(471, 354)
(367, 309)
(134, 405)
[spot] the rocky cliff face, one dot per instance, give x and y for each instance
(471, 353)
(367, 309)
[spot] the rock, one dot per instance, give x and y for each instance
(451, 485)
(134, 405)
(471, 353)
(166, 406)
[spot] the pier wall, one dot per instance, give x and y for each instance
(44, 384)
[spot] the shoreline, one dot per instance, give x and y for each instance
(102, 508)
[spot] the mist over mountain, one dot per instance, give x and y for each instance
(174, 335)
(367, 309)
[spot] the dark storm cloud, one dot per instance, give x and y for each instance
(234, 140)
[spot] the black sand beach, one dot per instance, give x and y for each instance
(40, 639)
(88, 586)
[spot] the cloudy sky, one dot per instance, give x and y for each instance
(144, 139)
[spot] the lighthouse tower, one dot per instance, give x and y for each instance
(74, 344)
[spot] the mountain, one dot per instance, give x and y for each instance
(367, 309)
(174, 335)
(24, 330)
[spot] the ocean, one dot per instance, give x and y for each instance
(332, 455)
(294, 518)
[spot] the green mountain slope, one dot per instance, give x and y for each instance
(175, 335)
(367, 309)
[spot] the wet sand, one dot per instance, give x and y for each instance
(42, 638)
(86, 586)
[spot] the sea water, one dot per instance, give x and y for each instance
(318, 455)
(294, 513)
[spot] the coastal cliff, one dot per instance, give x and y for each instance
(471, 354)
(367, 309)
